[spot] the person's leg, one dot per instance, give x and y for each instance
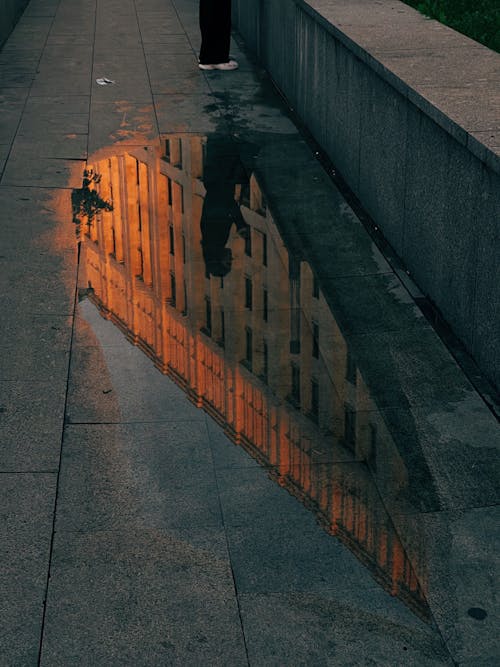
(215, 27)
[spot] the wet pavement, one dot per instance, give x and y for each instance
(229, 436)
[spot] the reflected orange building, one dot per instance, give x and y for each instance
(258, 348)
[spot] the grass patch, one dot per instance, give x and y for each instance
(478, 19)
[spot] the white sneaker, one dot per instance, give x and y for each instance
(231, 64)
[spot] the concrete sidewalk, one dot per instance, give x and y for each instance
(133, 531)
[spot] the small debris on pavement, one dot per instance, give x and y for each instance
(104, 81)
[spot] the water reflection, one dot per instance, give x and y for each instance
(180, 250)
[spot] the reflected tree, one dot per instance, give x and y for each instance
(86, 202)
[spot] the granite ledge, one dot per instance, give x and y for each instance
(369, 29)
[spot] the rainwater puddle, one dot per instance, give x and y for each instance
(241, 274)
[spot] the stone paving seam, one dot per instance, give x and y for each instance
(235, 587)
(75, 301)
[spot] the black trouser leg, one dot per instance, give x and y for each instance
(215, 26)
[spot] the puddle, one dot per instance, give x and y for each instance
(181, 250)
(239, 272)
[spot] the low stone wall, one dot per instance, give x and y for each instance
(10, 11)
(409, 112)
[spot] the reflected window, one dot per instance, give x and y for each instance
(372, 456)
(315, 340)
(183, 249)
(173, 152)
(169, 190)
(208, 316)
(245, 195)
(171, 239)
(222, 328)
(248, 292)
(315, 288)
(350, 373)
(314, 398)
(295, 384)
(173, 291)
(265, 305)
(265, 362)
(259, 202)
(248, 242)
(349, 427)
(185, 309)
(178, 162)
(264, 249)
(248, 347)
(140, 272)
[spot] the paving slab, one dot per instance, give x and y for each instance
(462, 565)
(46, 106)
(12, 96)
(121, 123)
(19, 74)
(95, 397)
(65, 38)
(106, 470)
(46, 172)
(36, 348)
(225, 453)
(51, 82)
(173, 44)
(41, 8)
(63, 146)
(319, 629)
(128, 88)
(276, 545)
(39, 122)
(374, 303)
(176, 586)
(39, 223)
(31, 32)
(189, 84)
(11, 116)
(165, 65)
(450, 458)
(157, 27)
(344, 251)
(114, 382)
(181, 113)
(31, 421)
(26, 527)
(4, 152)
(154, 5)
(417, 372)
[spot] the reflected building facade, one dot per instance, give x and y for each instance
(244, 329)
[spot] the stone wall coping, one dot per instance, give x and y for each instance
(448, 76)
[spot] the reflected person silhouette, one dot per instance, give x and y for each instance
(223, 172)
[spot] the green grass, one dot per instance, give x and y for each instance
(478, 19)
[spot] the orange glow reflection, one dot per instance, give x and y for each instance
(254, 344)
